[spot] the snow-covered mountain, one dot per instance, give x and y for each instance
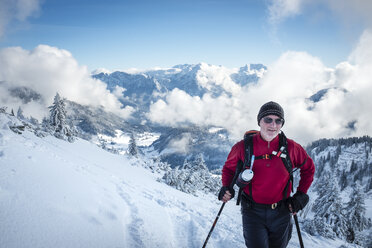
(184, 77)
(141, 89)
(59, 194)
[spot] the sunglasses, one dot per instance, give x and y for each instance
(269, 120)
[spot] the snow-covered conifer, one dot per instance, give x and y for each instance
(3, 110)
(200, 162)
(132, 147)
(172, 178)
(369, 185)
(353, 166)
(187, 165)
(192, 176)
(328, 208)
(34, 121)
(57, 119)
(323, 228)
(20, 114)
(355, 212)
(343, 180)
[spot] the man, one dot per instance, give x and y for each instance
(266, 202)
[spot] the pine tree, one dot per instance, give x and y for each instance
(355, 212)
(20, 114)
(196, 165)
(322, 186)
(320, 167)
(322, 227)
(328, 209)
(192, 177)
(57, 119)
(343, 180)
(353, 166)
(102, 143)
(200, 162)
(34, 121)
(132, 147)
(187, 165)
(328, 156)
(171, 177)
(368, 186)
(338, 151)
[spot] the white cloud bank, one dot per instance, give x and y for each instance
(48, 70)
(345, 110)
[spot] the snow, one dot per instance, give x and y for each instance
(215, 129)
(59, 194)
(101, 70)
(121, 140)
(369, 207)
(147, 138)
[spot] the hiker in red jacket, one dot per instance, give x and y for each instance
(266, 204)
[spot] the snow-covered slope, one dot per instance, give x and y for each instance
(59, 194)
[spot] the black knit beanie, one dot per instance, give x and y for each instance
(270, 108)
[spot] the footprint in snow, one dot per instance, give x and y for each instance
(136, 223)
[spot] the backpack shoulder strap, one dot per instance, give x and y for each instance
(283, 148)
(248, 152)
(248, 147)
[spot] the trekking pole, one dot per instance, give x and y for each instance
(237, 171)
(298, 231)
(214, 224)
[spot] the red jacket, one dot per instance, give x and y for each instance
(270, 175)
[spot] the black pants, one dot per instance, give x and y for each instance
(266, 227)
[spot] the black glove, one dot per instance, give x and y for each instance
(223, 191)
(298, 201)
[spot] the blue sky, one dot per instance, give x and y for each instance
(126, 34)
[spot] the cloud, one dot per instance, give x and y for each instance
(48, 70)
(211, 77)
(179, 108)
(347, 11)
(16, 10)
(282, 9)
(351, 11)
(343, 110)
(181, 145)
(119, 92)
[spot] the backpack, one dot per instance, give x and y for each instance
(282, 153)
